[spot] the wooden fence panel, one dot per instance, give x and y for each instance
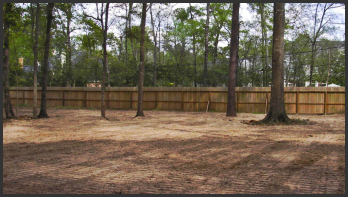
(28, 97)
(311, 103)
(219, 101)
(257, 99)
(134, 100)
(290, 102)
(204, 101)
(191, 100)
(300, 100)
(13, 95)
(93, 99)
(335, 103)
(73, 99)
(149, 100)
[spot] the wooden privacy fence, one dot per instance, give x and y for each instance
(299, 100)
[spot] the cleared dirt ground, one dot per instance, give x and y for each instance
(75, 151)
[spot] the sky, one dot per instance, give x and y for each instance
(245, 15)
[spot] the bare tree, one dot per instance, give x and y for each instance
(140, 111)
(277, 111)
(6, 66)
(231, 103)
(316, 33)
(43, 111)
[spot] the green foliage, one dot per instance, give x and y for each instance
(176, 63)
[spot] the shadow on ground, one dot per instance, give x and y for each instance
(198, 165)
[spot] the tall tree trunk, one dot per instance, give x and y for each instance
(105, 29)
(155, 49)
(140, 111)
(266, 58)
(130, 29)
(43, 112)
(127, 36)
(315, 36)
(263, 44)
(6, 63)
(194, 50)
(108, 70)
(312, 64)
(277, 111)
(68, 14)
(159, 41)
(35, 58)
(206, 40)
(231, 103)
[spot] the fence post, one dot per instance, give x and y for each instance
(107, 101)
(85, 93)
(297, 98)
(156, 101)
(63, 98)
(182, 100)
(210, 98)
(24, 98)
(237, 108)
(199, 100)
(130, 106)
(325, 95)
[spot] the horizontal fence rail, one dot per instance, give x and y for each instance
(298, 100)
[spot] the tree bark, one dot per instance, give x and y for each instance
(35, 58)
(159, 41)
(155, 49)
(105, 29)
(141, 65)
(231, 103)
(68, 61)
(130, 29)
(277, 111)
(108, 70)
(194, 49)
(206, 47)
(263, 44)
(6, 63)
(127, 37)
(43, 112)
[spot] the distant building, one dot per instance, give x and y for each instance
(94, 84)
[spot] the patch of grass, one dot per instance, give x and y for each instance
(22, 105)
(64, 107)
(258, 112)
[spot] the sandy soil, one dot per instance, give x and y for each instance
(75, 151)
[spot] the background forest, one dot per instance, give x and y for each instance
(175, 44)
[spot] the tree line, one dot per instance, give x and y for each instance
(180, 47)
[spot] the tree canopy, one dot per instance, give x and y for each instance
(76, 53)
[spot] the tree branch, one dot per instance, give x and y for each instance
(86, 15)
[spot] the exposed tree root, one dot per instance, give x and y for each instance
(43, 114)
(274, 123)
